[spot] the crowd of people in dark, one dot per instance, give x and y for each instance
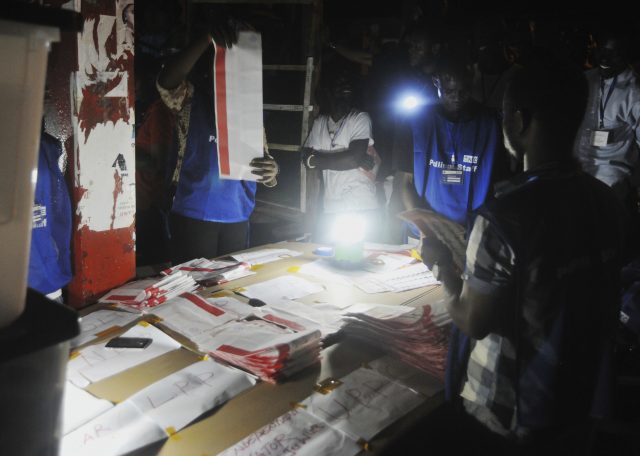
(522, 130)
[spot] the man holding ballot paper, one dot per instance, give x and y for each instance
(219, 150)
(540, 289)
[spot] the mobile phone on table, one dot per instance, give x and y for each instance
(129, 342)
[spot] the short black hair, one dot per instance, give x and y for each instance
(552, 91)
(453, 66)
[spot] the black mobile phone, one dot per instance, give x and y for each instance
(129, 342)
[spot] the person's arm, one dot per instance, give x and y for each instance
(479, 302)
(223, 32)
(354, 157)
(177, 68)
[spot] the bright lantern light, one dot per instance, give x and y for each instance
(409, 103)
(348, 229)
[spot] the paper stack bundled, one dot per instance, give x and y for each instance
(211, 272)
(263, 348)
(419, 336)
(139, 295)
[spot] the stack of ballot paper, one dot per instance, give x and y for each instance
(141, 294)
(212, 272)
(417, 336)
(265, 349)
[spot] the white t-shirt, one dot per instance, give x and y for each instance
(617, 160)
(351, 190)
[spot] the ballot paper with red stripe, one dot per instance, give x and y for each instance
(270, 351)
(238, 102)
(194, 316)
(139, 295)
(418, 336)
(211, 272)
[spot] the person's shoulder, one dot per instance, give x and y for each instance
(357, 117)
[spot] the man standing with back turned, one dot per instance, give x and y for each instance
(539, 293)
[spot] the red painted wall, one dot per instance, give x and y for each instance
(89, 107)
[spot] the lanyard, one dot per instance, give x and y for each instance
(454, 144)
(335, 135)
(603, 103)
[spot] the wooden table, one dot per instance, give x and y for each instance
(264, 402)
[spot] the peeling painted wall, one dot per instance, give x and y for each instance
(101, 146)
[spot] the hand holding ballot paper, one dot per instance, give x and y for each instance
(443, 239)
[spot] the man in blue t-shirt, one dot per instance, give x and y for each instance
(208, 216)
(456, 146)
(50, 255)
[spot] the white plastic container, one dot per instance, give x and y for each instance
(23, 52)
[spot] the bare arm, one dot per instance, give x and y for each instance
(352, 158)
(409, 198)
(476, 314)
(178, 67)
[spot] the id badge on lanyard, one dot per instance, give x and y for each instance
(452, 176)
(602, 136)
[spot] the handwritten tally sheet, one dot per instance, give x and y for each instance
(122, 429)
(158, 410)
(284, 287)
(96, 362)
(97, 323)
(79, 407)
(295, 433)
(403, 279)
(364, 404)
(178, 399)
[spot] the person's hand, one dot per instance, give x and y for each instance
(266, 168)
(433, 251)
(224, 31)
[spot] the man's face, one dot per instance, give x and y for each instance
(610, 58)
(454, 94)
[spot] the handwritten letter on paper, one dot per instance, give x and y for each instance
(296, 433)
(364, 404)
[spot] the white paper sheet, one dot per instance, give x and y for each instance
(119, 430)
(192, 315)
(365, 403)
(403, 279)
(238, 101)
(328, 321)
(283, 287)
(265, 255)
(386, 262)
(295, 433)
(247, 336)
(178, 399)
(79, 407)
(387, 247)
(231, 304)
(100, 321)
(97, 362)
